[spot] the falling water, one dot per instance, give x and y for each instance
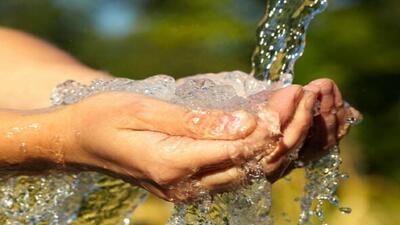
(281, 37)
(91, 198)
(280, 42)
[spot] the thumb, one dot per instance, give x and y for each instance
(155, 115)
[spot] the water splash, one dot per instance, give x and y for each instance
(93, 198)
(59, 199)
(250, 204)
(322, 180)
(30, 200)
(281, 37)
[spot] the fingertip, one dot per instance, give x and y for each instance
(301, 122)
(223, 180)
(220, 125)
(321, 81)
(313, 88)
(242, 125)
(284, 102)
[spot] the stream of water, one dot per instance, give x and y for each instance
(281, 37)
(92, 198)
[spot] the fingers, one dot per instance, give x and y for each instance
(331, 124)
(206, 154)
(326, 95)
(292, 108)
(324, 88)
(297, 129)
(223, 180)
(154, 115)
(217, 124)
(192, 188)
(282, 105)
(217, 154)
(330, 101)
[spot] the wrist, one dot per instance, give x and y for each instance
(32, 141)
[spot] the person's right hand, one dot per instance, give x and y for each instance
(166, 148)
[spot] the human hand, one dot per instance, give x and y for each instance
(158, 145)
(332, 122)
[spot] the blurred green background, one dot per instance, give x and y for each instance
(355, 42)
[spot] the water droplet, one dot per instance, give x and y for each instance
(345, 210)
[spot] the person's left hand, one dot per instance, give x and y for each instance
(331, 123)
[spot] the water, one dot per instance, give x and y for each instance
(228, 91)
(322, 180)
(281, 37)
(250, 205)
(59, 198)
(91, 198)
(88, 198)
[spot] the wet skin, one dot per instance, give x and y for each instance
(154, 144)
